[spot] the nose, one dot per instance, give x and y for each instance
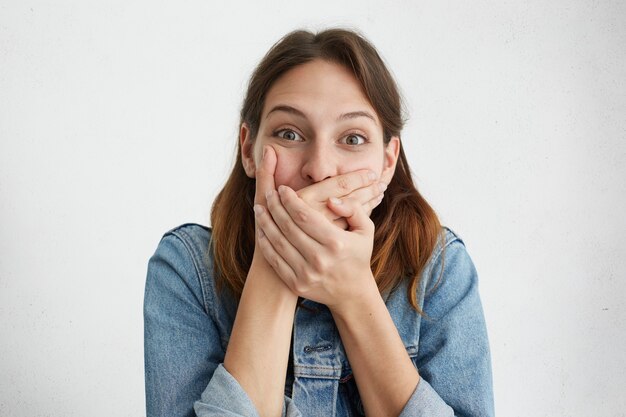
(319, 164)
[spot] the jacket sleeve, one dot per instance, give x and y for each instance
(453, 356)
(184, 372)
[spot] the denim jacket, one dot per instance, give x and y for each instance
(187, 327)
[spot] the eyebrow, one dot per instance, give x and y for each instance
(292, 110)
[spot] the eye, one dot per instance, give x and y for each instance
(354, 139)
(289, 135)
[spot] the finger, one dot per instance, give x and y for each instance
(338, 186)
(265, 174)
(283, 270)
(367, 195)
(368, 206)
(301, 241)
(322, 207)
(357, 218)
(340, 222)
(282, 255)
(373, 203)
(310, 221)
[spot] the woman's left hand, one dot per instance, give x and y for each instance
(315, 258)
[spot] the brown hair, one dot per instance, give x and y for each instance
(407, 228)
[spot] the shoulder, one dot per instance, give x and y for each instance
(449, 245)
(437, 289)
(196, 240)
(451, 234)
(181, 271)
(193, 235)
(447, 237)
(451, 275)
(183, 255)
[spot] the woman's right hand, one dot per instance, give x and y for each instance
(361, 185)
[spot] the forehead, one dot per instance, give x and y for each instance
(320, 87)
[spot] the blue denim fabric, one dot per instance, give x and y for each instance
(187, 328)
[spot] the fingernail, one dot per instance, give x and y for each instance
(371, 175)
(268, 194)
(258, 209)
(336, 201)
(382, 186)
(281, 189)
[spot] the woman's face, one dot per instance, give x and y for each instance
(321, 125)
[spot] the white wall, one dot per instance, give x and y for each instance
(118, 121)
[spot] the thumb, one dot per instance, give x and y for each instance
(265, 175)
(357, 218)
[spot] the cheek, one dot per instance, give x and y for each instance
(288, 171)
(284, 175)
(287, 168)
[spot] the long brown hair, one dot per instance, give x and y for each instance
(407, 228)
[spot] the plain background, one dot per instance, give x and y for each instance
(118, 121)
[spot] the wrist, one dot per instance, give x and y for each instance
(263, 274)
(361, 303)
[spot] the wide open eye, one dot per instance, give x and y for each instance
(288, 134)
(354, 139)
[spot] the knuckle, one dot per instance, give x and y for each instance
(336, 245)
(280, 245)
(319, 262)
(299, 287)
(292, 286)
(261, 221)
(375, 190)
(364, 178)
(302, 215)
(273, 260)
(287, 228)
(342, 183)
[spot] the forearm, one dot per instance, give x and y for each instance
(258, 350)
(383, 371)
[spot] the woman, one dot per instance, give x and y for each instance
(313, 294)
